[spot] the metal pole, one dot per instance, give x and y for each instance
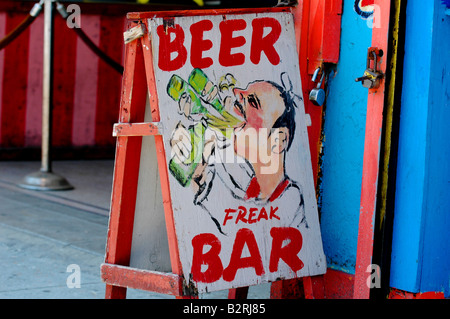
(47, 85)
(45, 179)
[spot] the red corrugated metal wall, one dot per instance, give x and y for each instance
(86, 89)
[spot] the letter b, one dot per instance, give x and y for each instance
(210, 258)
(168, 46)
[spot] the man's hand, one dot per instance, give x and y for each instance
(181, 143)
(208, 148)
(184, 105)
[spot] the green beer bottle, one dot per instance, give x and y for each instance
(198, 81)
(177, 87)
(195, 88)
(226, 122)
(183, 171)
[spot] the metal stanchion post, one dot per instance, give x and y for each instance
(45, 179)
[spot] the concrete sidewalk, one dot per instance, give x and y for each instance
(43, 233)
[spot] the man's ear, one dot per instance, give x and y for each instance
(280, 140)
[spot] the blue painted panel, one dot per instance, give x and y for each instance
(435, 274)
(344, 129)
(411, 154)
(421, 248)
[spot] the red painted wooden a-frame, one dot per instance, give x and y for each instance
(138, 82)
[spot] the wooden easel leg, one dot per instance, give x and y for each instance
(115, 292)
(303, 288)
(314, 287)
(287, 289)
(238, 293)
(126, 170)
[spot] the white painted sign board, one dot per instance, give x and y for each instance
(236, 144)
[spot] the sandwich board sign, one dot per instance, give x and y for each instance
(234, 135)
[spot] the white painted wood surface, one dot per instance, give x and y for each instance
(195, 219)
(149, 248)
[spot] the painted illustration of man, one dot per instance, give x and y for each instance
(263, 138)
